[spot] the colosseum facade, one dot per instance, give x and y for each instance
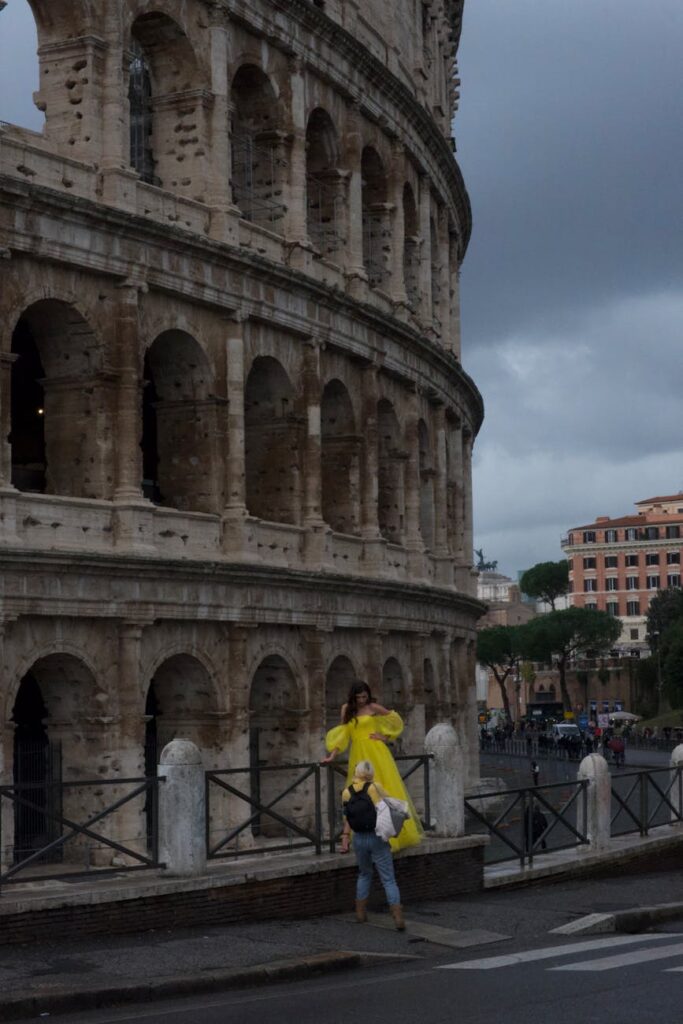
(235, 457)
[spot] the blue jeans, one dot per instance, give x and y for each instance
(369, 850)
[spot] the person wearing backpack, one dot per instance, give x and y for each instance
(359, 800)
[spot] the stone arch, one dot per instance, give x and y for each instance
(340, 457)
(390, 460)
(180, 424)
(324, 185)
(166, 114)
(20, 29)
(426, 485)
(62, 404)
(275, 739)
(431, 695)
(435, 275)
(340, 675)
(182, 703)
(411, 246)
(394, 688)
(376, 225)
(258, 153)
(273, 443)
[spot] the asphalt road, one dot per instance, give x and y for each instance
(621, 979)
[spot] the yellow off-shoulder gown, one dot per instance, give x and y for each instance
(355, 735)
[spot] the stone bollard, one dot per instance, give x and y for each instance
(447, 775)
(676, 792)
(182, 810)
(599, 802)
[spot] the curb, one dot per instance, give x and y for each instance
(60, 999)
(626, 921)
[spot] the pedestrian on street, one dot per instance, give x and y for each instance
(535, 772)
(360, 799)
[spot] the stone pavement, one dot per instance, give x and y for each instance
(68, 974)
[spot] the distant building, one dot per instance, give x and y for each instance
(618, 565)
(505, 608)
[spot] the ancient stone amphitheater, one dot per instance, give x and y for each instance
(236, 433)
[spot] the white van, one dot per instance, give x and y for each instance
(566, 730)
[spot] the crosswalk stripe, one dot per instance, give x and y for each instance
(529, 955)
(637, 956)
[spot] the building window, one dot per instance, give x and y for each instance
(140, 99)
(673, 558)
(611, 583)
(612, 608)
(653, 582)
(570, 538)
(633, 607)
(632, 582)
(673, 579)
(589, 536)
(589, 563)
(673, 531)
(590, 585)
(610, 536)
(591, 606)
(652, 558)
(611, 561)
(635, 634)
(651, 533)
(631, 533)
(570, 563)
(632, 560)
(570, 588)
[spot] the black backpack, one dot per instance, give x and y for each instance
(360, 810)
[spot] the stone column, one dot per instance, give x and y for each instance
(455, 313)
(427, 314)
(314, 659)
(296, 229)
(468, 531)
(369, 460)
(312, 517)
(182, 810)
(353, 265)
(455, 493)
(373, 664)
(234, 489)
(596, 822)
(218, 194)
(6, 361)
(414, 540)
(131, 728)
(447, 769)
(397, 284)
(444, 312)
(129, 405)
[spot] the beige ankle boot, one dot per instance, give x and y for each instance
(361, 911)
(396, 911)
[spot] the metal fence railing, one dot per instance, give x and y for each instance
(83, 830)
(646, 799)
(273, 808)
(523, 823)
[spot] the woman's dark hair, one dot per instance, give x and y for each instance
(352, 701)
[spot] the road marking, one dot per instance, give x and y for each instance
(529, 955)
(637, 956)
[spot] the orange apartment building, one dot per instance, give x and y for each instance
(618, 565)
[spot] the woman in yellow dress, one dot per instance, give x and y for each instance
(366, 728)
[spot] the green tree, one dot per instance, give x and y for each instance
(665, 611)
(546, 581)
(564, 635)
(672, 665)
(500, 648)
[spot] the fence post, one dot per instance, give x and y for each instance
(182, 809)
(598, 814)
(676, 791)
(449, 770)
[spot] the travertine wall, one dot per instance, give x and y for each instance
(235, 462)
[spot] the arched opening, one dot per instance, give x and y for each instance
(274, 740)
(394, 695)
(179, 425)
(340, 676)
(340, 460)
(19, 70)
(431, 697)
(324, 185)
(36, 767)
(181, 705)
(376, 227)
(62, 405)
(273, 444)
(258, 154)
(166, 118)
(411, 247)
(426, 486)
(390, 493)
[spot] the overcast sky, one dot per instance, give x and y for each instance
(570, 136)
